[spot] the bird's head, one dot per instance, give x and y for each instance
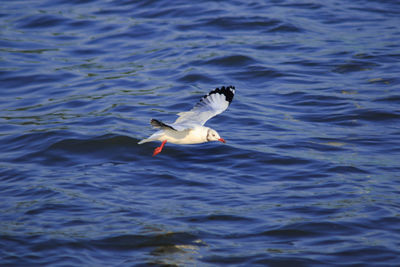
(212, 135)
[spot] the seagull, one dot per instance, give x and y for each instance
(188, 128)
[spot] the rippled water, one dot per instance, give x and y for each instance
(310, 172)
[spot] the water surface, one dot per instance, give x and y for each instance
(310, 172)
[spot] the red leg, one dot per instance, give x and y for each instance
(158, 149)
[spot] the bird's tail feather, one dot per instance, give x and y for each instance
(154, 137)
(143, 141)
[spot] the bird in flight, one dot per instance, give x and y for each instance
(188, 128)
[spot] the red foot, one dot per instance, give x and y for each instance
(158, 149)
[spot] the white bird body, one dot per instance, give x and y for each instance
(196, 135)
(188, 128)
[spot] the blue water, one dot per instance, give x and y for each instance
(310, 173)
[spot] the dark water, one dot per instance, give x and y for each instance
(310, 174)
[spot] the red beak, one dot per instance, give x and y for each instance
(222, 140)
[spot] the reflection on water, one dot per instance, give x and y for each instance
(175, 255)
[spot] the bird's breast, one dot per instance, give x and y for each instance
(190, 136)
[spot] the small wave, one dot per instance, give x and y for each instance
(41, 21)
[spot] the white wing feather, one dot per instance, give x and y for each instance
(209, 106)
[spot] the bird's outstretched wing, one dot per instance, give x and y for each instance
(160, 125)
(210, 105)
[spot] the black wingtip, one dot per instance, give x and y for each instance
(228, 92)
(159, 124)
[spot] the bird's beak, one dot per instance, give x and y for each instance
(222, 140)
